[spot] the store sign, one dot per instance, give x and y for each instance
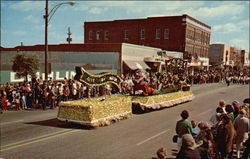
(56, 75)
(176, 65)
(97, 79)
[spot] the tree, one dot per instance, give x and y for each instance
(25, 65)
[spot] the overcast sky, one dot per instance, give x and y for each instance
(22, 21)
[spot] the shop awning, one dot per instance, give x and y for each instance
(133, 65)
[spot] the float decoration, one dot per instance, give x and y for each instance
(98, 111)
(145, 104)
(97, 79)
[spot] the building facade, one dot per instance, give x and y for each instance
(171, 33)
(244, 58)
(221, 55)
(96, 58)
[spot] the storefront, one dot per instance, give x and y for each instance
(95, 58)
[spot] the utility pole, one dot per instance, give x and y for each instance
(46, 41)
(48, 15)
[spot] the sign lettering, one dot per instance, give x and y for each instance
(97, 79)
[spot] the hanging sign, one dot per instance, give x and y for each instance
(176, 65)
(97, 79)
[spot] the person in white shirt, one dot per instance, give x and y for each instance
(241, 125)
(215, 117)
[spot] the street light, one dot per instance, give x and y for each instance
(48, 15)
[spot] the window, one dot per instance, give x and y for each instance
(208, 39)
(106, 33)
(158, 34)
(90, 35)
(142, 34)
(166, 33)
(192, 35)
(226, 56)
(202, 37)
(125, 34)
(197, 37)
(189, 34)
(97, 35)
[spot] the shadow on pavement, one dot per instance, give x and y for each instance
(137, 110)
(60, 124)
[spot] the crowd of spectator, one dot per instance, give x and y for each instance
(228, 125)
(41, 94)
(215, 76)
(215, 139)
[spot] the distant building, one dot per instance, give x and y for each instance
(235, 57)
(244, 58)
(171, 33)
(222, 55)
(219, 55)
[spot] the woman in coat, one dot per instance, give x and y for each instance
(225, 137)
(241, 125)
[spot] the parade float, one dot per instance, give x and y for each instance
(96, 111)
(159, 101)
(100, 111)
(174, 91)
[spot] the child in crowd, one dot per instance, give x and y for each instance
(16, 102)
(195, 129)
(4, 103)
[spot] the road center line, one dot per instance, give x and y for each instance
(152, 137)
(34, 140)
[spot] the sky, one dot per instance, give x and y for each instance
(22, 21)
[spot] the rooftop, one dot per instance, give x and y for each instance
(159, 17)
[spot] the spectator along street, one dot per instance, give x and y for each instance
(38, 134)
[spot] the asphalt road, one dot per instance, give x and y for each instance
(37, 134)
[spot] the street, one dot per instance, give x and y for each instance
(37, 134)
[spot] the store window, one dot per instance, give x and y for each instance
(90, 35)
(158, 34)
(142, 34)
(166, 33)
(106, 34)
(97, 35)
(125, 34)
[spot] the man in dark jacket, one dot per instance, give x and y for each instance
(225, 137)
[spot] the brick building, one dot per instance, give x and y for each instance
(172, 33)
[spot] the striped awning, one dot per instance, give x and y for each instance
(134, 65)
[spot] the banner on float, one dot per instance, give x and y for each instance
(97, 79)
